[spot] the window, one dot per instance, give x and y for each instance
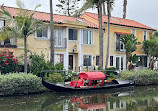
(119, 45)
(1, 24)
(134, 32)
(43, 33)
(87, 37)
(144, 35)
(97, 60)
(87, 60)
(58, 37)
(142, 61)
(72, 34)
(111, 60)
(59, 58)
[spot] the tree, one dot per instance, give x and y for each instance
(67, 7)
(104, 8)
(91, 4)
(20, 26)
(98, 3)
(130, 42)
(124, 8)
(150, 48)
(52, 34)
(108, 26)
(109, 7)
(133, 59)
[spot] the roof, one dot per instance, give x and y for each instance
(92, 75)
(57, 18)
(119, 21)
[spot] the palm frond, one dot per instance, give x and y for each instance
(5, 14)
(87, 5)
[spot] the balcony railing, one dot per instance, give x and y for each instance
(8, 43)
(60, 42)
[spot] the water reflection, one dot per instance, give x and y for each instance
(131, 99)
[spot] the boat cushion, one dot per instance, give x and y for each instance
(77, 83)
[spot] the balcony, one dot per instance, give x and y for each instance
(8, 43)
(60, 42)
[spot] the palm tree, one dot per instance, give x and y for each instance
(108, 26)
(52, 34)
(22, 26)
(104, 9)
(91, 4)
(130, 42)
(124, 8)
(109, 7)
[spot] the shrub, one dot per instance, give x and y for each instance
(38, 64)
(147, 77)
(144, 77)
(111, 70)
(19, 83)
(8, 63)
(127, 75)
(55, 77)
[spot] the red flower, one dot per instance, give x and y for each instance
(10, 55)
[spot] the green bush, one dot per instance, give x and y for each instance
(144, 77)
(111, 70)
(127, 75)
(20, 83)
(38, 64)
(55, 77)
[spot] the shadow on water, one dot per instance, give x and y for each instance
(124, 99)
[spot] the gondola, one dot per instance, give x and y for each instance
(88, 81)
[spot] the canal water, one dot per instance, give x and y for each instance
(124, 99)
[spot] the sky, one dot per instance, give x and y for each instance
(143, 11)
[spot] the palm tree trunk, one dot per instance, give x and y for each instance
(107, 53)
(25, 55)
(104, 9)
(127, 58)
(99, 7)
(52, 34)
(124, 8)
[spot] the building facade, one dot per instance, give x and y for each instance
(77, 40)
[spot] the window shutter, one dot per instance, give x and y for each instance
(70, 34)
(117, 42)
(74, 34)
(85, 39)
(45, 32)
(111, 60)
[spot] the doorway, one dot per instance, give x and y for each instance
(72, 62)
(120, 63)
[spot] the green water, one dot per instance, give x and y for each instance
(126, 99)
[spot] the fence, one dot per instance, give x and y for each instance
(73, 74)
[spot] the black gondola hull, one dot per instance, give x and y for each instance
(63, 88)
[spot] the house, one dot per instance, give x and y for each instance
(119, 27)
(77, 40)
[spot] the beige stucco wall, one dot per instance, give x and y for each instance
(43, 46)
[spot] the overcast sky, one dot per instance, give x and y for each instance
(143, 11)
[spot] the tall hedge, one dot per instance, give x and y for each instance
(144, 76)
(20, 83)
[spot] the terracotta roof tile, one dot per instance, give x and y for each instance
(119, 21)
(57, 18)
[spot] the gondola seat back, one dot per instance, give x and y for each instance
(77, 83)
